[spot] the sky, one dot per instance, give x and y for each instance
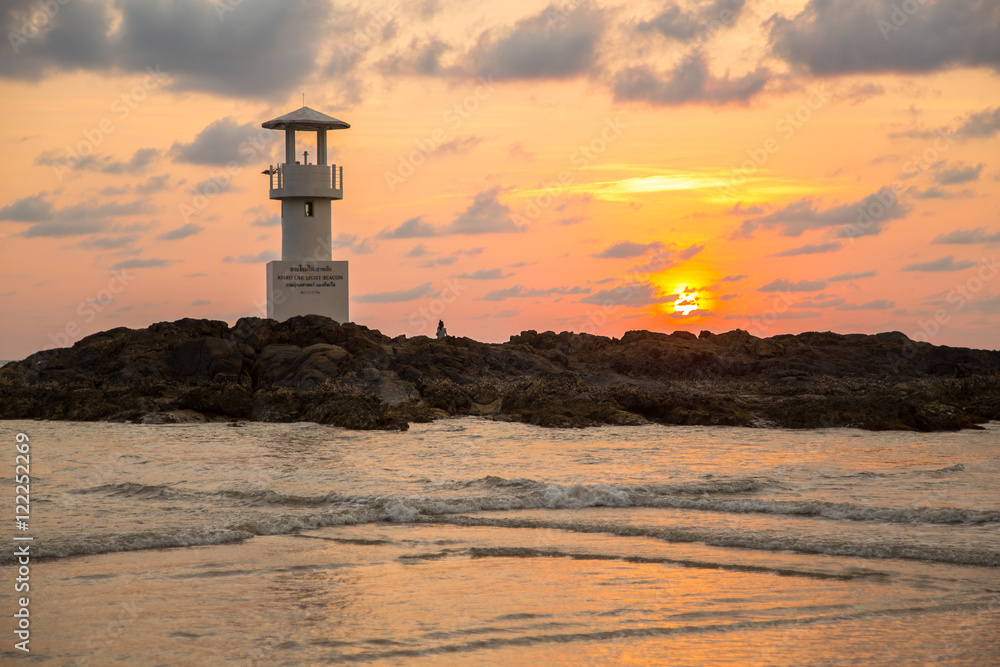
(785, 166)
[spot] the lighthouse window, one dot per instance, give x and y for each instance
(309, 209)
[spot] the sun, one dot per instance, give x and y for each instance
(687, 301)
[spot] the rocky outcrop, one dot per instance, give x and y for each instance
(311, 368)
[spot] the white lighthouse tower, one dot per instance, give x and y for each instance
(306, 281)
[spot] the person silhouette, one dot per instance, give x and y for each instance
(441, 332)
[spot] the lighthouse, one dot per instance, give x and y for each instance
(306, 281)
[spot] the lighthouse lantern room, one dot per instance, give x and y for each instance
(306, 281)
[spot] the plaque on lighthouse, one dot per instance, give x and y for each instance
(306, 281)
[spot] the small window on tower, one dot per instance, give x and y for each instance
(309, 209)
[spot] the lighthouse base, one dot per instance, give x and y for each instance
(307, 288)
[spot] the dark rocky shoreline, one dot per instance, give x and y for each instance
(313, 369)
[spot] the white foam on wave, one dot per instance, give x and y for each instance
(582, 495)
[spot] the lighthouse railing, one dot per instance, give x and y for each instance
(306, 180)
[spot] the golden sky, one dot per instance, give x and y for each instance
(510, 165)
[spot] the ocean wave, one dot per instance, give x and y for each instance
(130, 489)
(455, 511)
(958, 467)
(500, 494)
(530, 552)
(110, 543)
(882, 548)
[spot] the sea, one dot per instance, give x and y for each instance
(475, 542)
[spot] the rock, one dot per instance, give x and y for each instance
(312, 368)
(205, 358)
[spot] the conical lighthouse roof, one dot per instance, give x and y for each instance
(305, 119)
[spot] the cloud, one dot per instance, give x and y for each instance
(830, 37)
(675, 23)
(518, 291)
(826, 302)
(877, 304)
(267, 220)
(415, 227)
(486, 274)
(109, 242)
(853, 276)
(940, 193)
(439, 261)
(627, 249)
(733, 278)
(458, 145)
(153, 184)
(200, 302)
(35, 208)
(865, 217)
(947, 263)
(149, 263)
(689, 82)
(366, 247)
(182, 232)
(859, 92)
(418, 250)
(485, 215)
(690, 251)
(253, 48)
(221, 142)
(810, 249)
(628, 295)
(738, 209)
(75, 37)
(539, 47)
(395, 297)
(962, 173)
(104, 164)
(782, 285)
(263, 216)
(262, 256)
(76, 220)
(980, 125)
(989, 304)
(421, 57)
(968, 236)
(517, 150)
(61, 229)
